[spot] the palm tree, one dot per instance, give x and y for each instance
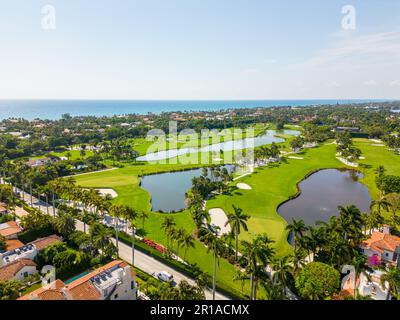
(283, 271)
(381, 203)
(297, 228)
(237, 220)
(65, 223)
(117, 211)
(392, 278)
(272, 291)
(167, 225)
(351, 222)
(257, 253)
(100, 236)
(131, 216)
(143, 215)
(214, 244)
(187, 242)
(394, 203)
(242, 277)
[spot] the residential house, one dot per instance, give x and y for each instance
(10, 230)
(13, 244)
(382, 247)
(367, 284)
(18, 270)
(28, 251)
(114, 281)
(40, 162)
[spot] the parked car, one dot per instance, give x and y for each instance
(165, 276)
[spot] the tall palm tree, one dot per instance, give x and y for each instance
(242, 277)
(143, 215)
(379, 204)
(100, 236)
(257, 253)
(187, 242)
(283, 271)
(351, 223)
(117, 211)
(131, 216)
(65, 223)
(214, 244)
(166, 226)
(237, 220)
(297, 228)
(394, 203)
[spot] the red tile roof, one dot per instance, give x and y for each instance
(13, 244)
(80, 289)
(381, 241)
(51, 292)
(43, 243)
(10, 270)
(10, 228)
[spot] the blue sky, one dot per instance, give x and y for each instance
(200, 49)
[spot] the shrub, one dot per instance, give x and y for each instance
(33, 234)
(317, 281)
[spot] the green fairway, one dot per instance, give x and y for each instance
(271, 186)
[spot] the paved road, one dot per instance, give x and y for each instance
(142, 261)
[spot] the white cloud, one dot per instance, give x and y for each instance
(373, 47)
(370, 83)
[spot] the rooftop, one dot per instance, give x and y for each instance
(9, 228)
(380, 242)
(43, 243)
(9, 271)
(88, 287)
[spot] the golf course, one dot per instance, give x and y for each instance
(270, 186)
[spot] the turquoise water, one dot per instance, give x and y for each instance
(77, 277)
(53, 109)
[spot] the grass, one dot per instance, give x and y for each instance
(270, 187)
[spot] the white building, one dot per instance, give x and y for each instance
(114, 281)
(17, 270)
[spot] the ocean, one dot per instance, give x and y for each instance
(53, 109)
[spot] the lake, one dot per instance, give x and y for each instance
(168, 190)
(267, 138)
(322, 193)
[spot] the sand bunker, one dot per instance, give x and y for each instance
(111, 192)
(219, 218)
(243, 186)
(377, 145)
(296, 158)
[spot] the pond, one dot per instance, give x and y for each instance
(322, 193)
(168, 190)
(267, 138)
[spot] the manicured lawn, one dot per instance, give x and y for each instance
(125, 182)
(270, 187)
(375, 157)
(75, 154)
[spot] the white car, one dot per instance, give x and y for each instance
(165, 276)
